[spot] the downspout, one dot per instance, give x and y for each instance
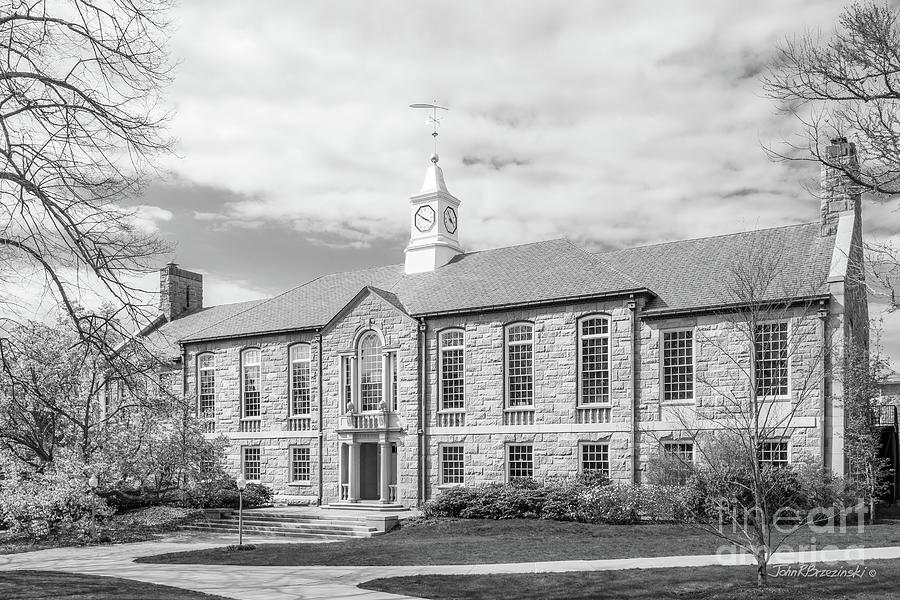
(422, 382)
(823, 382)
(634, 465)
(184, 397)
(321, 434)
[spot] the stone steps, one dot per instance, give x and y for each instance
(289, 525)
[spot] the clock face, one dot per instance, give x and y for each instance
(450, 219)
(424, 218)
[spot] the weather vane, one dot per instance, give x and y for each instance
(435, 121)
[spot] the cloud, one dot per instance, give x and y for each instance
(147, 218)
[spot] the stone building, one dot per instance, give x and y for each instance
(388, 384)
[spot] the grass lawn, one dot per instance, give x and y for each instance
(442, 542)
(707, 583)
(132, 526)
(26, 585)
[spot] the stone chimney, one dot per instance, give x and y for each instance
(179, 291)
(839, 193)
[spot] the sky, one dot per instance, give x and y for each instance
(613, 124)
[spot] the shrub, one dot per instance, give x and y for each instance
(53, 502)
(255, 495)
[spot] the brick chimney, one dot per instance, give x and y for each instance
(179, 291)
(839, 194)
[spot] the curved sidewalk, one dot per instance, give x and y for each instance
(309, 582)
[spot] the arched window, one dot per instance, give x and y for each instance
(206, 386)
(300, 380)
(250, 382)
(593, 360)
(371, 363)
(452, 369)
(520, 365)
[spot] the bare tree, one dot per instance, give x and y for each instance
(846, 85)
(80, 122)
(758, 367)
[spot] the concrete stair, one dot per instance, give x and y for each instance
(288, 525)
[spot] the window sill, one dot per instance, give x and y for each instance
(519, 409)
(685, 402)
(590, 406)
(251, 418)
(451, 411)
(450, 486)
(299, 483)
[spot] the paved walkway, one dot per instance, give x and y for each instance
(319, 583)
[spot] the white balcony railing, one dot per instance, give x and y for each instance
(303, 423)
(374, 421)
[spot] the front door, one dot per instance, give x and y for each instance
(368, 472)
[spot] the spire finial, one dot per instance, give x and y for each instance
(435, 121)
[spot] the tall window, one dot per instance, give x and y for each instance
(519, 461)
(300, 379)
(452, 369)
(300, 464)
(346, 380)
(680, 459)
(393, 357)
(452, 466)
(251, 463)
(774, 453)
(520, 365)
(595, 458)
(206, 385)
(772, 359)
(251, 384)
(678, 365)
(370, 372)
(593, 334)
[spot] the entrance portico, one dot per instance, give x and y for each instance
(368, 470)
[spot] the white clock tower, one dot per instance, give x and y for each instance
(434, 219)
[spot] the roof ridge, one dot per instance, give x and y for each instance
(708, 237)
(556, 239)
(605, 264)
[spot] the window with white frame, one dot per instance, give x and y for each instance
(452, 369)
(593, 360)
(520, 365)
(772, 359)
(301, 386)
(371, 365)
(519, 461)
(678, 365)
(452, 466)
(595, 458)
(206, 386)
(774, 453)
(300, 464)
(346, 380)
(251, 463)
(680, 457)
(250, 382)
(393, 358)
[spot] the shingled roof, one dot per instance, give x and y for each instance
(519, 275)
(691, 274)
(680, 276)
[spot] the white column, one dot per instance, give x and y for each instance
(384, 472)
(353, 473)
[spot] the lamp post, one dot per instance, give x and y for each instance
(92, 483)
(241, 484)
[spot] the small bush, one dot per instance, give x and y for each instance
(240, 547)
